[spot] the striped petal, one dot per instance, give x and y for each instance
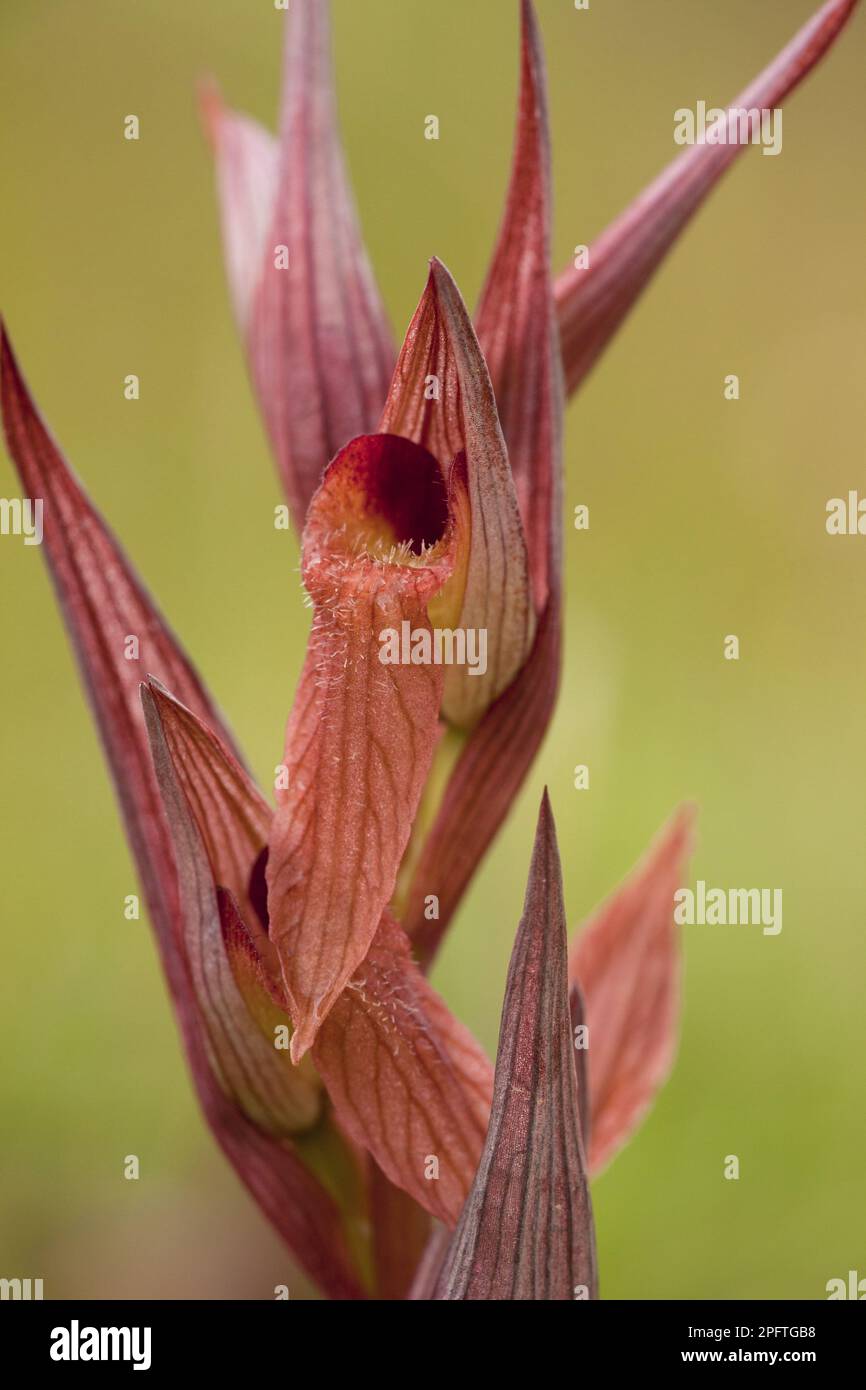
(517, 327)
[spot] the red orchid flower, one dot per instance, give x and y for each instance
(349, 1099)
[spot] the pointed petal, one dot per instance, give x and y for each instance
(408, 1081)
(246, 159)
(517, 325)
(487, 777)
(319, 345)
(626, 960)
(526, 1231)
(361, 735)
(461, 418)
(593, 302)
(231, 815)
(103, 602)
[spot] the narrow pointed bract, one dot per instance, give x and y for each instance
(593, 302)
(626, 962)
(517, 326)
(317, 338)
(526, 1231)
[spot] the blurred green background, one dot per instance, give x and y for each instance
(707, 518)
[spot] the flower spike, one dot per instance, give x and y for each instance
(295, 941)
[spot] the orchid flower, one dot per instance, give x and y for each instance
(296, 939)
